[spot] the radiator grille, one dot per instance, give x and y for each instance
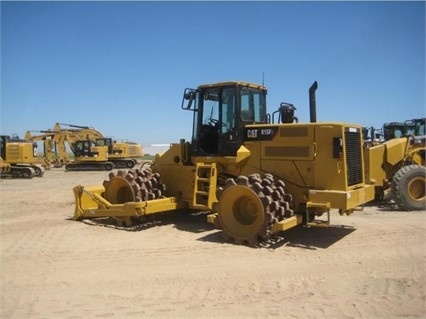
(353, 158)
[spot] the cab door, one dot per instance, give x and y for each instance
(229, 129)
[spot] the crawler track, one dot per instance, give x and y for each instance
(89, 166)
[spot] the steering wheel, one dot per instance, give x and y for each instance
(215, 123)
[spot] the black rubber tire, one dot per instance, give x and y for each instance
(408, 187)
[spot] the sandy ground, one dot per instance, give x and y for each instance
(368, 265)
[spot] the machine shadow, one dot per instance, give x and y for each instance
(299, 237)
(315, 237)
(181, 219)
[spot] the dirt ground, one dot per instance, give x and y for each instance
(371, 264)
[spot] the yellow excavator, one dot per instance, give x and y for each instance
(251, 176)
(89, 157)
(121, 154)
(56, 140)
(19, 158)
(124, 154)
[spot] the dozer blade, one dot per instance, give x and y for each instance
(89, 203)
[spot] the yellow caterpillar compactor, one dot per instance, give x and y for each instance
(18, 158)
(251, 176)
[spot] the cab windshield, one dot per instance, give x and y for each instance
(221, 114)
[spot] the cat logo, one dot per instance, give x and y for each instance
(252, 133)
(260, 133)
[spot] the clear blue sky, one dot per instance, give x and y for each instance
(121, 67)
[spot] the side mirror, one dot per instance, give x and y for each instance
(188, 95)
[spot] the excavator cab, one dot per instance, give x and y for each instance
(83, 148)
(105, 141)
(221, 111)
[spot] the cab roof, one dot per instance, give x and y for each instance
(231, 83)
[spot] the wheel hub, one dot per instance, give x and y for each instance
(417, 189)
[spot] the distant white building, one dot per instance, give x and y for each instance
(155, 149)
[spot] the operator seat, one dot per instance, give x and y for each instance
(209, 139)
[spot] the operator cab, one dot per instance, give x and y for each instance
(221, 111)
(105, 141)
(394, 130)
(416, 127)
(83, 148)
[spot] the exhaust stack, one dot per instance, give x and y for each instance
(313, 102)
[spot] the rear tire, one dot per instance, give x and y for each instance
(408, 187)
